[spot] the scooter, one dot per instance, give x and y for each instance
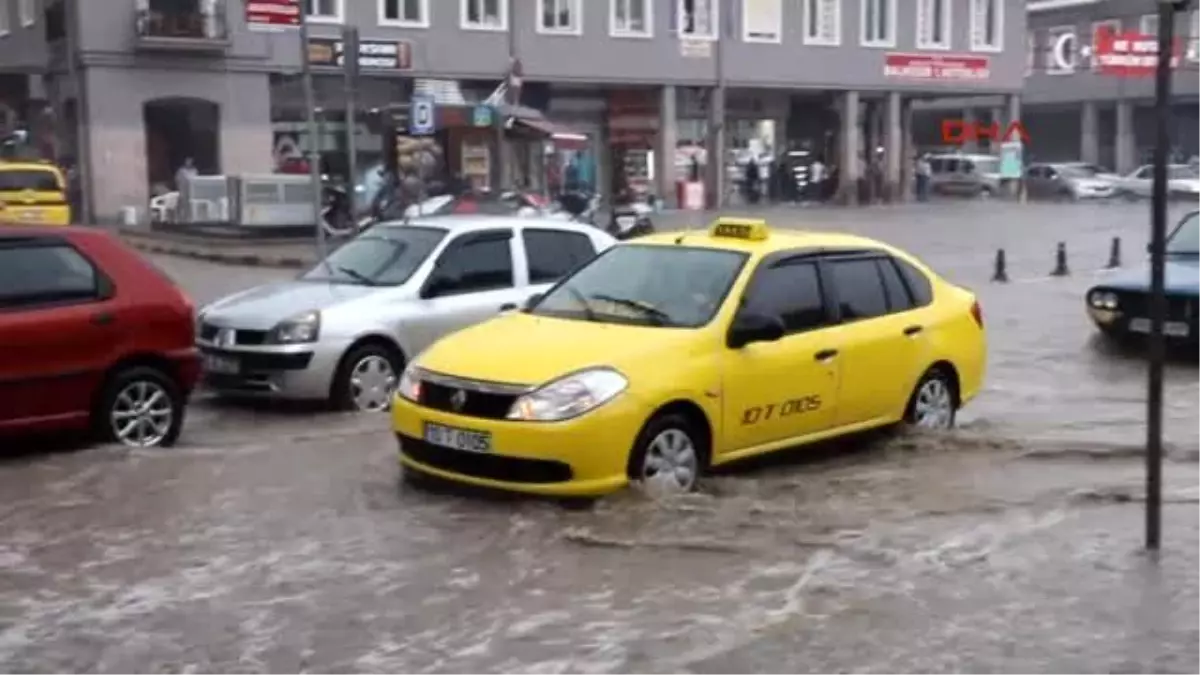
(579, 206)
(631, 219)
(336, 210)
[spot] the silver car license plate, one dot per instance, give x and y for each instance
(458, 439)
(1170, 328)
(221, 365)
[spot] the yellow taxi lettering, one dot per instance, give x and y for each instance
(794, 406)
(740, 228)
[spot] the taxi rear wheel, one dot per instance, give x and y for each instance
(934, 402)
(668, 456)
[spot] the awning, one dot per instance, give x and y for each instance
(531, 121)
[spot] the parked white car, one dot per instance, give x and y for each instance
(1183, 181)
(344, 330)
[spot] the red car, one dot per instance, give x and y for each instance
(92, 336)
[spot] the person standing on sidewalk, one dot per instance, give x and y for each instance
(816, 177)
(923, 174)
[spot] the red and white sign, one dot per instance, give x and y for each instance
(1129, 54)
(272, 16)
(936, 66)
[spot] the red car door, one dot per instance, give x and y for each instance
(58, 332)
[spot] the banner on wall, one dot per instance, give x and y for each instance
(958, 67)
(1129, 54)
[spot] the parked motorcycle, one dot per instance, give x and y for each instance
(579, 206)
(631, 219)
(337, 211)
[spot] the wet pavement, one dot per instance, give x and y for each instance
(276, 539)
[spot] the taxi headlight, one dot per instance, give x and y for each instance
(569, 396)
(1103, 300)
(409, 388)
(299, 329)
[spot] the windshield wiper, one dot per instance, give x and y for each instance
(355, 275)
(656, 315)
(588, 312)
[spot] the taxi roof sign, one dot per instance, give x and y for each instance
(750, 229)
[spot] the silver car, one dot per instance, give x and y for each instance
(344, 330)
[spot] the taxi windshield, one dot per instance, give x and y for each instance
(668, 286)
(38, 180)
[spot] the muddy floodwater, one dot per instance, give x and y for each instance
(279, 539)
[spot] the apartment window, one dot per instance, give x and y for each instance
(987, 25)
(484, 14)
(762, 21)
(4, 27)
(1193, 50)
(28, 10)
(1062, 50)
(404, 13)
(1030, 53)
(1148, 24)
(324, 10)
(879, 23)
(698, 18)
(632, 18)
(560, 16)
(823, 22)
(933, 24)
(1111, 25)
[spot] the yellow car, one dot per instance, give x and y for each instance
(673, 353)
(33, 193)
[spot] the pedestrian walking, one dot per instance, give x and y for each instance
(816, 177)
(923, 174)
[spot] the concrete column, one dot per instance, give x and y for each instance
(1089, 139)
(971, 121)
(667, 136)
(1126, 141)
(715, 184)
(1012, 111)
(908, 151)
(850, 142)
(893, 134)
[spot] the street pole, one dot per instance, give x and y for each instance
(716, 116)
(83, 149)
(1158, 300)
(314, 140)
(350, 68)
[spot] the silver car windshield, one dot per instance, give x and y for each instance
(387, 256)
(668, 286)
(1185, 240)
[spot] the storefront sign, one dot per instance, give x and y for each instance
(272, 16)
(1129, 54)
(936, 66)
(695, 48)
(372, 54)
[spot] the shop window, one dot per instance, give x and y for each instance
(697, 18)
(933, 24)
(632, 18)
(878, 23)
(762, 21)
(484, 14)
(1148, 24)
(560, 16)
(28, 12)
(329, 11)
(823, 22)
(411, 13)
(987, 25)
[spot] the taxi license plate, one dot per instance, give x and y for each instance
(29, 215)
(222, 365)
(458, 439)
(1171, 328)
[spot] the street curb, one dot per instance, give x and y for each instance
(225, 258)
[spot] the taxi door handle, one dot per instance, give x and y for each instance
(913, 330)
(825, 354)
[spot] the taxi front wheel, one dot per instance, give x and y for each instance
(668, 456)
(934, 401)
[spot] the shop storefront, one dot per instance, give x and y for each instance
(633, 128)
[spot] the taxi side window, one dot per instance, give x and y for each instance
(918, 284)
(476, 262)
(898, 297)
(859, 288)
(789, 290)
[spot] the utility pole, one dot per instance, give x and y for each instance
(314, 140)
(716, 114)
(512, 97)
(350, 68)
(83, 146)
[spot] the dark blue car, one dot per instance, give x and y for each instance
(1120, 306)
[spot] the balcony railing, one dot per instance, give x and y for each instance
(173, 27)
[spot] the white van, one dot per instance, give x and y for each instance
(965, 175)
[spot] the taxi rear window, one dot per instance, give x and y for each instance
(38, 180)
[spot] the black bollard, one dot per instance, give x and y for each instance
(1114, 256)
(1060, 262)
(1001, 273)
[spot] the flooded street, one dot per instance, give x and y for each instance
(280, 540)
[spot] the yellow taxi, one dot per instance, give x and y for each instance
(33, 193)
(673, 353)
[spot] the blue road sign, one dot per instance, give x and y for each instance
(482, 116)
(422, 121)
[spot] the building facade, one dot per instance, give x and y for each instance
(649, 75)
(1074, 111)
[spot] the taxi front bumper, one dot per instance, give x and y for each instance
(583, 457)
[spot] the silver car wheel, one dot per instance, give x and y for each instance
(671, 464)
(372, 382)
(934, 407)
(142, 414)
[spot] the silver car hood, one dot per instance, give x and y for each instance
(262, 307)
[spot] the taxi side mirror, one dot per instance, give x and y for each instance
(750, 328)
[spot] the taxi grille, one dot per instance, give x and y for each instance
(483, 465)
(476, 403)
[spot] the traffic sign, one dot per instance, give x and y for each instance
(422, 121)
(272, 16)
(482, 116)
